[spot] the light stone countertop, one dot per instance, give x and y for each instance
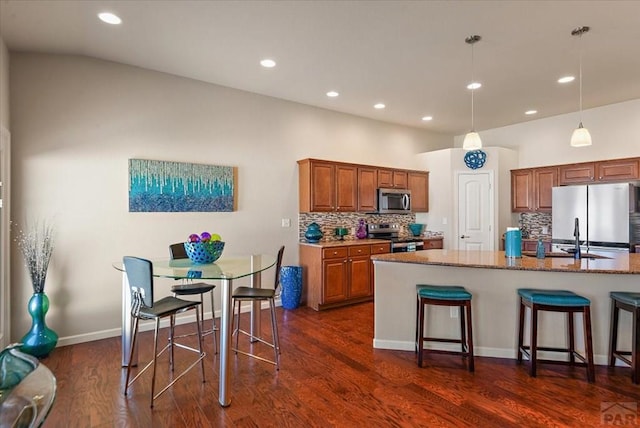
(614, 263)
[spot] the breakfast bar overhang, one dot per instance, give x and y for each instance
(493, 280)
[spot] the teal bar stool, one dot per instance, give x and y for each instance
(629, 302)
(556, 301)
(445, 295)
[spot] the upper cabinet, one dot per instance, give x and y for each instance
(326, 186)
(418, 184)
(394, 179)
(531, 189)
(601, 171)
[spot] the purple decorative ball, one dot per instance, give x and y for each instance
(194, 238)
(205, 236)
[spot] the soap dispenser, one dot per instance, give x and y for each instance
(540, 249)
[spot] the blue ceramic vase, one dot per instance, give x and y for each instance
(291, 282)
(40, 340)
(313, 233)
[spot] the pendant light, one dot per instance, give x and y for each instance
(472, 139)
(580, 136)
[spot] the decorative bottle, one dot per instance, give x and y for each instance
(361, 233)
(540, 249)
(313, 233)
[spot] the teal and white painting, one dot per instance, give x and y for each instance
(160, 186)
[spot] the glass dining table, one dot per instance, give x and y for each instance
(226, 269)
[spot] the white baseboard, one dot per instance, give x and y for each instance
(145, 326)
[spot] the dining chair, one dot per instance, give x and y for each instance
(251, 294)
(143, 307)
(190, 288)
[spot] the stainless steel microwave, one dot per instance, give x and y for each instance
(394, 201)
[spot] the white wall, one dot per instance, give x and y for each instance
(4, 85)
(442, 166)
(75, 123)
(615, 130)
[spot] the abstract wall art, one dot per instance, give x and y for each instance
(160, 186)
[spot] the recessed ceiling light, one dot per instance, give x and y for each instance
(379, 106)
(566, 79)
(332, 94)
(427, 118)
(109, 18)
(268, 63)
(530, 112)
(474, 85)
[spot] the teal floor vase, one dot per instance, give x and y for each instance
(40, 340)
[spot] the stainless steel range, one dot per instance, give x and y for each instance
(391, 232)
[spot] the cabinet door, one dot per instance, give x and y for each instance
(521, 190)
(322, 186)
(544, 179)
(618, 170)
(582, 173)
(346, 187)
(385, 178)
(431, 244)
(359, 277)
(335, 280)
(367, 181)
(418, 183)
(400, 179)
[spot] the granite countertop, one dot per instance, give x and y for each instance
(610, 263)
(349, 242)
(346, 242)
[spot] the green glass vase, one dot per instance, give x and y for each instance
(40, 340)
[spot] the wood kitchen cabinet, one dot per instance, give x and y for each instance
(433, 243)
(601, 171)
(531, 189)
(394, 179)
(327, 186)
(418, 184)
(367, 185)
(338, 275)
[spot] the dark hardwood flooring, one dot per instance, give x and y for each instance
(331, 376)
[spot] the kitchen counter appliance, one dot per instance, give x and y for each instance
(603, 217)
(391, 232)
(394, 201)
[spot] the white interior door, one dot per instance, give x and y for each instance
(5, 316)
(475, 211)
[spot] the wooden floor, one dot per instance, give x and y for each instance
(332, 377)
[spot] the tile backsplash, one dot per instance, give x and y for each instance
(535, 225)
(329, 221)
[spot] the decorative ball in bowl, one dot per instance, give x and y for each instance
(202, 253)
(416, 228)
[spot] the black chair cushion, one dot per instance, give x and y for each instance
(253, 293)
(166, 306)
(188, 289)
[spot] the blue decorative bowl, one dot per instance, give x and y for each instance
(416, 228)
(202, 253)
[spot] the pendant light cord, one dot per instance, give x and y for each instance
(472, 89)
(580, 75)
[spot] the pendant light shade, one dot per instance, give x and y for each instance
(580, 136)
(472, 140)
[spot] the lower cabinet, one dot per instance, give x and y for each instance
(433, 243)
(338, 275)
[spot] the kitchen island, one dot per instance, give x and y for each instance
(493, 280)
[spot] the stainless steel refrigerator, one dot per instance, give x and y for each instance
(608, 216)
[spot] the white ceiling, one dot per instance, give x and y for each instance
(410, 55)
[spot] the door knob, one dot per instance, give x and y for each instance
(464, 236)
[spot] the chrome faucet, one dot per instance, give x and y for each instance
(576, 233)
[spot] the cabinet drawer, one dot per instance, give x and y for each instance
(433, 244)
(359, 250)
(334, 253)
(380, 248)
